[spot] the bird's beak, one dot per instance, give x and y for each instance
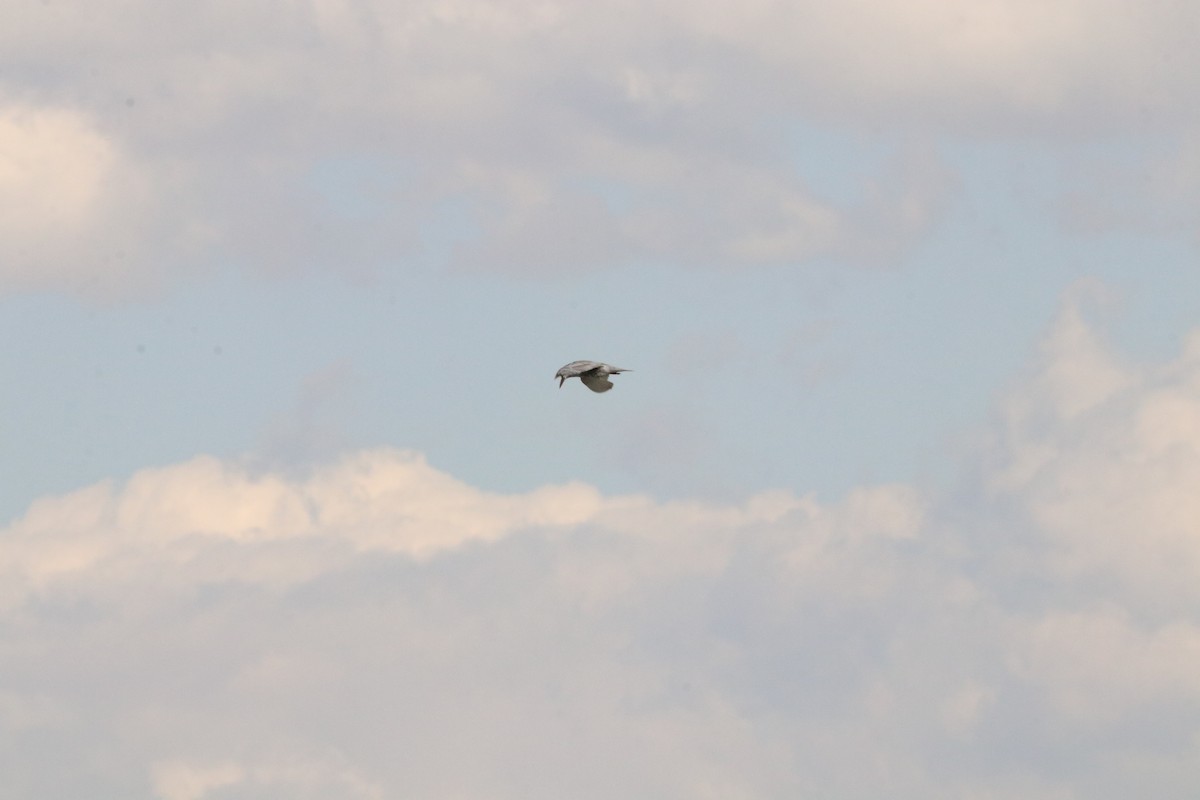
(561, 378)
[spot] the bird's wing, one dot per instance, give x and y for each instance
(596, 381)
(577, 368)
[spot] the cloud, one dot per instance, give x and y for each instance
(494, 630)
(988, 65)
(312, 777)
(1127, 667)
(387, 501)
(374, 626)
(1101, 456)
(76, 204)
(182, 781)
(537, 138)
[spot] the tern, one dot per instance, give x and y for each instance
(594, 374)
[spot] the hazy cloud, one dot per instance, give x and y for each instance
(1102, 455)
(538, 137)
(79, 211)
(376, 627)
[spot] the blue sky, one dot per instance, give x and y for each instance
(793, 376)
(898, 497)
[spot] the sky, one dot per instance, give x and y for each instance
(898, 499)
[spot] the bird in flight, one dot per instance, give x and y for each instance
(593, 374)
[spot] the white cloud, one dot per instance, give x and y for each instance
(987, 64)
(1103, 458)
(183, 781)
(575, 136)
(434, 638)
(1099, 665)
(386, 501)
(963, 708)
(75, 206)
(376, 627)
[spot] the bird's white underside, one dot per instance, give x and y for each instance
(596, 381)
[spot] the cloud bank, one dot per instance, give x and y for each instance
(531, 137)
(376, 628)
